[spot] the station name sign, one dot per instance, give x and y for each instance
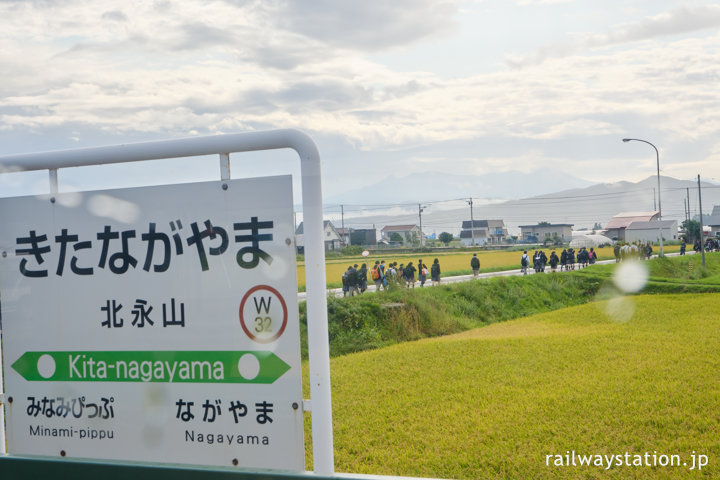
(155, 324)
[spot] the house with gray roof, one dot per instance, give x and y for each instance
(644, 232)
(713, 221)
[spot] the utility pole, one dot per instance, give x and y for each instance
(421, 208)
(687, 189)
(472, 222)
(702, 236)
(342, 223)
(654, 201)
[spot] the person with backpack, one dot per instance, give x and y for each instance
(581, 258)
(390, 275)
(422, 272)
(524, 262)
(592, 256)
(353, 280)
(554, 260)
(362, 277)
(475, 265)
(570, 259)
(375, 275)
(345, 283)
(435, 273)
(537, 261)
(409, 274)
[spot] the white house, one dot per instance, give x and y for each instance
(541, 232)
(408, 233)
(482, 232)
(650, 231)
(330, 234)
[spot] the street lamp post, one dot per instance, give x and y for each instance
(472, 222)
(702, 235)
(657, 157)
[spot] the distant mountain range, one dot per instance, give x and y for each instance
(428, 187)
(583, 207)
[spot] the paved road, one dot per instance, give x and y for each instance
(337, 292)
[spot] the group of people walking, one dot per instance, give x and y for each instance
(391, 275)
(711, 245)
(567, 260)
(636, 250)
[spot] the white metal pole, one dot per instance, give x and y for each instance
(3, 448)
(318, 342)
(53, 181)
(224, 166)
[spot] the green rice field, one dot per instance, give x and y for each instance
(636, 374)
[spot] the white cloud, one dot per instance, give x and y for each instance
(193, 67)
(678, 21)
(369, 25)
(115, 15)
(681, 20)
(541, 2)
(377, 108)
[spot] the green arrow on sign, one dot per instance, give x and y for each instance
(148, 366)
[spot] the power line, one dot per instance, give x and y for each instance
(534, 200)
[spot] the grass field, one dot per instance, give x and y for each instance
(494, 402)
(450, 263)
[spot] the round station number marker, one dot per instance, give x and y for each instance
(263, 314)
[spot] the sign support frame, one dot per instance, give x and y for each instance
(315, 278)
(3, 450)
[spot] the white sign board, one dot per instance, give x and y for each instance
(154, 324)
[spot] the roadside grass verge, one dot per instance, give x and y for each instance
(683, 274)
(494, 402)
(380, 319)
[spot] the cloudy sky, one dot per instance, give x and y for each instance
(383, 87)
